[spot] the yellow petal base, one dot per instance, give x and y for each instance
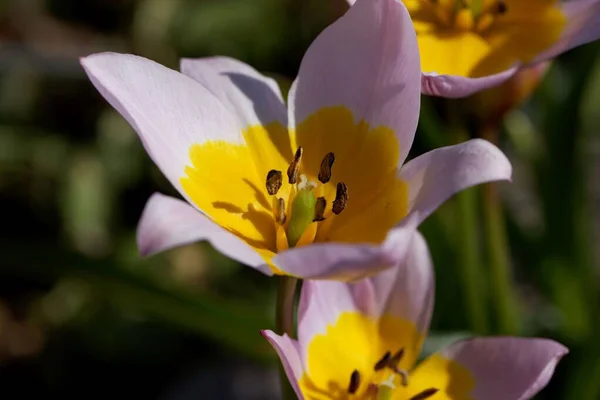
(227, 180)
(358, 342)
(460, 42)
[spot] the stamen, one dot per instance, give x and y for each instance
(500, 8)
(383, 362)
(274, 182)
(425, 394)
(294, 167)
(320, 209)
(279, 211)
(403, 376)
(341, 198)
(354, 382)
(325, 170)
(395, 360)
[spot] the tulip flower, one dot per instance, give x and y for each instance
(315, 191)
(470, 45)
(362, 341)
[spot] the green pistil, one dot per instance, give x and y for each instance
(302, 215)
(385, 392)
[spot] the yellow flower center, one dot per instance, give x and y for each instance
(344, 185)
(475, 38)
(360, 357)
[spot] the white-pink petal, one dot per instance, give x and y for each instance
(507, 368)
(455, 86)
(408, 290)
(169, 111)
(405, 290)
(435, 176)
(253, 97)
(348, 261)
(583, 26)
(321, 304)
(288, 351)
(167, 222)
(368, 60)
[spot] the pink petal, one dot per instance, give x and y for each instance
(454, 86)
(347, 262)
(289, 354)
(168, 110)
(406, 291)
(583, 26)
(321, 304)
(507, 368)
(368, 61)
(167, 222)
(435, 176)
(243, 90)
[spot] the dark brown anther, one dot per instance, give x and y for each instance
(501, 7)
(325, 170)
(383, 362)
(274, 182)
(395, 360)
(294, 167)
(354, 382)
(425, 394)
(341, 198)
(279, 211)
(320, 209)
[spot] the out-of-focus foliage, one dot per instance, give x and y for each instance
(81, 314)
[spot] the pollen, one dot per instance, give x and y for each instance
(305, 211)
(325, 170)
(341, 198)
(274, 182)
(294, 167)
(383, 362)
(320, 209)
(354, 382)
(462, 15)
(425, 394)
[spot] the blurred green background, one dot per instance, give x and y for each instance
(82, 315)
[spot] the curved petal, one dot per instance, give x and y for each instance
(454, 86)
(249, 94)
(287, 350)
(507, 368)
(368, 61)
(435, 176)
(583, 26)
(168, 110)
(406, 291)
(321, 304)
(167, 222)
(348, 262)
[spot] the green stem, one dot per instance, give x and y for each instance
(503, 296)
(285, 324)
(469, 260)
(469, 253)
(502, 293)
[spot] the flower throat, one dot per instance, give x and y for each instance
(466, 15)
(304, 207)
